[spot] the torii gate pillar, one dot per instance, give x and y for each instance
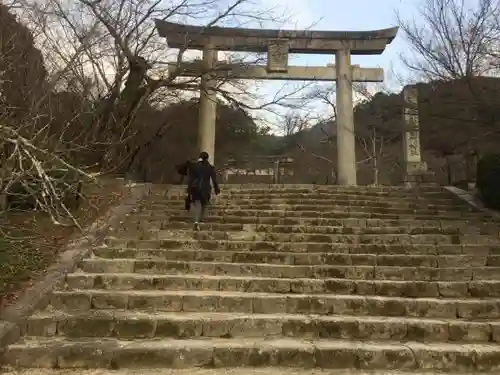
(346, 142)
(207, 115)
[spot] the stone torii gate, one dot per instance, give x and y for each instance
(278, 44)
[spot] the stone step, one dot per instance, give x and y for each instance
(271, 303)
(331, 203)
(271, 186)
(305, 189)
(386, 288)
(100, 265)
(447, 199)
(226, 371)
(272, 212)
(169, 212)
(355, 224)
(132, 224)
(143, 325)
(305, 247)
(325, 211)
(216, 208)
(319, 198)
(310, 221)
(249, 235)
(270, 257)
(351, 194)
(313, 203)
(219, 353)
(435, 227)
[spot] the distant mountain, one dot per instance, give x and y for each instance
(321, 130)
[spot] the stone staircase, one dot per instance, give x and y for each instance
(282, 276)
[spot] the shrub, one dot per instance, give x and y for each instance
(488, 180)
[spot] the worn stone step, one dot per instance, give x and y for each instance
(414, 228)
(250, 235)
(269, 186)
(134, 223)
(143, 325)
(323, 199)
(306, 247)
(270, 303)
(327, 206)
(96, 265)
(320, 201)
(317, 229)
(343, 221)
(226, 371)
(387, 288)
(382, 239)
(362, 212)
(269, 257)
(352, 239)
(306, 192)
(448, 200)
(165, 225)
(315, 214)
(308, 189)
(317, 201)
(319, 198)
(171, 353)
(296, 225)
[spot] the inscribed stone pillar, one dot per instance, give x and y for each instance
(346, 144)
(277, 56)
(208, 104)
(276, 172)
(415, 170)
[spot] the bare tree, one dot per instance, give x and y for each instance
(378, 129)
(372, 136)
(373, 146)
(34, 163)
(453, 39)
(293, 123)
(454, 46)
(117, 58)
(104, 54)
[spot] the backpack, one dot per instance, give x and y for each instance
(182, 169)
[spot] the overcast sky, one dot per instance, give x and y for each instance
(347, 15)
(338, 15)
(352, 15)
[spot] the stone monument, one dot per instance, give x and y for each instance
(415, 170)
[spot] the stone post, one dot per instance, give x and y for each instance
(346, 143)
(414, 170)
(208, 104)
(471, 159)
(276, 173)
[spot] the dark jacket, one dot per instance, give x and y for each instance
(201, 176)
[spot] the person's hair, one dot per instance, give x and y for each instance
(203, 155)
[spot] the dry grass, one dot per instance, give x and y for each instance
(32, 242)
